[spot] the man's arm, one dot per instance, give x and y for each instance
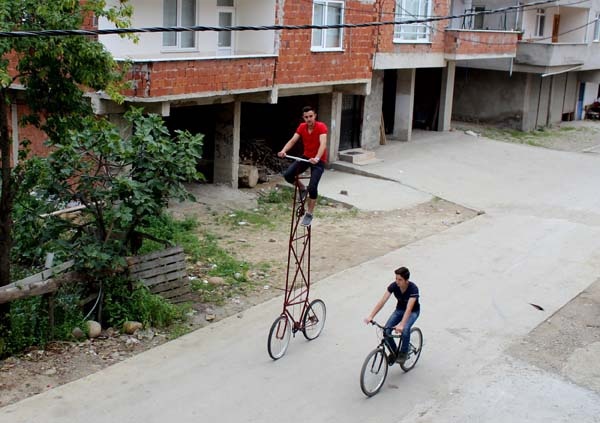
(322, 146)
(378, 306)
(411, 303)
(288, 145)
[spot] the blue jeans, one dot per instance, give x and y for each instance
(316, 171)
(394, 319)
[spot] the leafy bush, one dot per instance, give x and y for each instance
(30, 321)
(126, 301)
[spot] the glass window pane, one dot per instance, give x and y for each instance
(225, 19)
(188, 18)
(317, 34)
(188, 12)
(225, 3)
(334, 17)
(169, 19)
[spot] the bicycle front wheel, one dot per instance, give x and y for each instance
(314, 319)
(279, 337)
(414, 351)
(374, 371)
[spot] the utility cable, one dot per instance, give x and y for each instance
(201, 28)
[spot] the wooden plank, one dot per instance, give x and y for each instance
(164, 278)
(147, 274)
(11, 293)
(181, 299)
(165, 268)
(146, 257)
(382, 138)
(175, 292)
(165, 286)
(157, 263)
(180, 256)
(46, 274)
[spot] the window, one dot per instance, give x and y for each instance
(179, 13)
(478, 20)
(407, 10)
(327, 13)
(597, 28)
(540, 20)
(226, 17)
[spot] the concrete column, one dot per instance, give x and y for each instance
(405, 99)
(227, 144)
(446, 96)
(557, 97)
(330, 113)
(371, 124)
(530, 97)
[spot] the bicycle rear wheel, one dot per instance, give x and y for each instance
(414, 351)
(314, 319)
(374, 371)
(279, 337)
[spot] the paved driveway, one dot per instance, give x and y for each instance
(538, 242)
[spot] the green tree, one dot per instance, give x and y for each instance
(121, 180)
(53, 72)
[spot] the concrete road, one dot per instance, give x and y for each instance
(538, 242)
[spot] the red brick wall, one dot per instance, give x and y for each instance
(297, 64)
(386, 35)
(153, 79)
(481, 42)
(28, 132)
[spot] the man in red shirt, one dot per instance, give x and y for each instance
(314, 139)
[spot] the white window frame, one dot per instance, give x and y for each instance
(596, 37)
(320, 36)
(540, 23)
(180, 21)
(223, 50)
(412, 33)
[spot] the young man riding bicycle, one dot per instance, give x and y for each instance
(406, 313)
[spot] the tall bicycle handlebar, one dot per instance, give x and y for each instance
(299, 159)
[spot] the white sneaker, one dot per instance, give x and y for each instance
(307, 219)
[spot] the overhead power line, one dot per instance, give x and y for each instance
(201, 28)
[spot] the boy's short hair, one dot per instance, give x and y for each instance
(306, 109)
(403, 271)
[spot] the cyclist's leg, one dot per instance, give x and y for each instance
(406, 332)
(316, 171)
(294, 169)
(394, 319)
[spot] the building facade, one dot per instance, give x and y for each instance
(554, 74)
(240, 88)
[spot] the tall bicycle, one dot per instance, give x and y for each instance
(375, 367)
(298, 313)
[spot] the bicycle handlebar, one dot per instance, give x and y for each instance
(299, 159)
(374, 323)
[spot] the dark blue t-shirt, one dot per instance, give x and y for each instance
(411, 292)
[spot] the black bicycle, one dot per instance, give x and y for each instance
(374, 369)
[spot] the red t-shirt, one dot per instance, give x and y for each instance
(311, 140)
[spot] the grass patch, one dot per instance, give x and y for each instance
(257, 218)
(216, 261)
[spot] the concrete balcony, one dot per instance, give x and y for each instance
(466, 44)
(551, 54)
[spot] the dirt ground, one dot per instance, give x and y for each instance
(377, 233)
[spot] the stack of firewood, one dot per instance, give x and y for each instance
(257, 163)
